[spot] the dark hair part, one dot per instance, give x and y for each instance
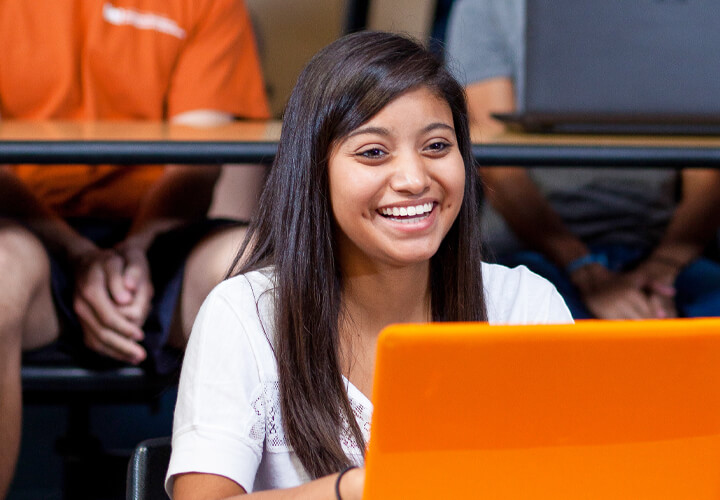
(342, 87)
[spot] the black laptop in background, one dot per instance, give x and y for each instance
(621, 66)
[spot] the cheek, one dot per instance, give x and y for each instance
(355, 190)
(337, 186)
(454, 183)
(461, 188)
(344, 202)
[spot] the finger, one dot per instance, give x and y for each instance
(662, 288)
(105, 310)
(612, 309)
(667, 304)
(137, 270)
(107, 342)
(138, 310)
(670, 309)
(658, 306)
(113, 267)
(631, 299)
(133, 313)
(637, 306)
(144, 297)
(123, 353)
(620, 302)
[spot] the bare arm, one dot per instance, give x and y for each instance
(197, 486)
(510, 190)
(184, 192)
(514, 195)
(18, 203)
(696, 218)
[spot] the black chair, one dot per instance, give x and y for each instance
(146, 470)
(58, 381)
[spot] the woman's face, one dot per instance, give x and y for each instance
(397, 182)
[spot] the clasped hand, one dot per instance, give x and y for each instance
(644, 292)
(112, 298)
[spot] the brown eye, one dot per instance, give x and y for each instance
(372, 153)
(438, 146)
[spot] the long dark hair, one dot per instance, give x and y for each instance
(342, 87)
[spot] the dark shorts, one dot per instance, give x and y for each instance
(166, 257)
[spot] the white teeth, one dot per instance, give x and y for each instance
(415, 211)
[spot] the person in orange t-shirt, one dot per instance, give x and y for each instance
(123, 254)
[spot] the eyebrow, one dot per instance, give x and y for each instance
(385, 132)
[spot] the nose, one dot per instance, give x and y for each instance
(411, 174)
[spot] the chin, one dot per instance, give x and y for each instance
(406, 259)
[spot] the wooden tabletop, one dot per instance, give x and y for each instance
(245, 131)
(138, 142)
(269, 131)
(571, 150)
(256, 142)
(675, 141)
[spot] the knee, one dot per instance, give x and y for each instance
(22, 257)
(24, 264)
(27, 318)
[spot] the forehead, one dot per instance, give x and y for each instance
(422, 97)
(411, 109)
(419, 99)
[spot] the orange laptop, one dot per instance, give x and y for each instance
(595, 410)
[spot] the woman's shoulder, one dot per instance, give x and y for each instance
(251, 287)
(496, 276)
(519, 296)
(244, 302)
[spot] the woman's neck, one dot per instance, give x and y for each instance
(375, 298)
(372, 300)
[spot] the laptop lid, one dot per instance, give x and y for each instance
(595, 410)
(623, 66)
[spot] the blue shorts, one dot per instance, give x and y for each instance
(166, 258)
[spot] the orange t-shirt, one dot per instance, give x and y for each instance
(121, 60)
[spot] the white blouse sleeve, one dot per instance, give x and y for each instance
(520, 297)
(219, 422)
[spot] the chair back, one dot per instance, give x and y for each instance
(147, 468)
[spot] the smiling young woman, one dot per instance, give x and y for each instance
(396, 184)
(369, 217)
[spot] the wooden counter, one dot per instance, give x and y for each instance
(256, 142)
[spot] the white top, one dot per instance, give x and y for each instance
(227, 418)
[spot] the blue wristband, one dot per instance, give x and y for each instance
(586, 260)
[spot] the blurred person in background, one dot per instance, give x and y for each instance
(111, 263)
(618, 243)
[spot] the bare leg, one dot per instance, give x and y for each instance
(27, 320)
(206, 266)
(248, 180)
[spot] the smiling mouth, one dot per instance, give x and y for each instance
(408, 215)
